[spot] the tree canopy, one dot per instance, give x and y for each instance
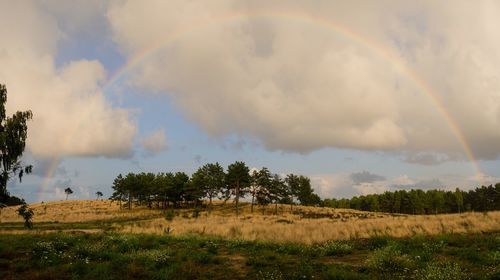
(210, 181)
(13, 135)
(417, 201)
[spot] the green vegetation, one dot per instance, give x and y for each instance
(110, 256)
(13, 135)
(262, 188)
(27, 214)
(68, 191)
(210, 181)
(424, 202)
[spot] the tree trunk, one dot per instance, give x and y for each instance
(210, 204)
(237, 197)
(253, 199)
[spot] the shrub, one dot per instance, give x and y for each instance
(337, 248)
(169, 215)
(441, 271)
(377, 242)
(49, 252)
(390, 260)
(27, 214)
(494, 258)
(211, 247)
(159, 257)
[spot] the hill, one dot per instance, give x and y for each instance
(98, 240)
(281, 223)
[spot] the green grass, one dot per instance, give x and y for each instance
(128, 256)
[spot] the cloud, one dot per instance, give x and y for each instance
(427, 158)
(365, 177)
(333, 185)
(296, 83)
(424, 184)
(155, 142)
(344, 185)
(71, 115)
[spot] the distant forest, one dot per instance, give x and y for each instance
(417, 201)
(261, 188)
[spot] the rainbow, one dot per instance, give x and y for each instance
(376, 47)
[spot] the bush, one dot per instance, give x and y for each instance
(390, 260)
(337, 248)
(27, 214)
(441, 271)
(158, 257)
(377, 242)
(169, 215)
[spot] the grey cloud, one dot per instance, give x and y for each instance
(365, 177)
(429, 158)
(416, 76)
(424, 184)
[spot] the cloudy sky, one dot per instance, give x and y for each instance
(362, 96)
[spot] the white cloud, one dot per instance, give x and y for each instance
(155, 142)
(71, 113)
(296, 83)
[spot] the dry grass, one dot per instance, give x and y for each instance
(77, 211)
(308, 231)
(304, 225)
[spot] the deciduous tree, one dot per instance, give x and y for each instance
(13, 135)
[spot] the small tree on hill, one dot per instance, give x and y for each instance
(238, 180)
(209, 179)
(27, 214)
(68, 191)
(262, 181)
(98, 194)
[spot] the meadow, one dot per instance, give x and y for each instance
(98, 240)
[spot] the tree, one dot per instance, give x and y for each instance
(27, 214)
(13, 135)
(260, 190)
(210, 180)
(68, 191)
(292, 182)
(305, 193)
(118, 188)
(98, 194)
(277, 191)
(238, 180)
(180, 185)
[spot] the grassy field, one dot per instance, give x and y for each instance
(98, 240)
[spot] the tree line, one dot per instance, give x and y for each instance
(211, 181)
(416, 201)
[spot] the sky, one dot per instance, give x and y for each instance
(361, 96)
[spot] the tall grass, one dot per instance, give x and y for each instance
(307, 225)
